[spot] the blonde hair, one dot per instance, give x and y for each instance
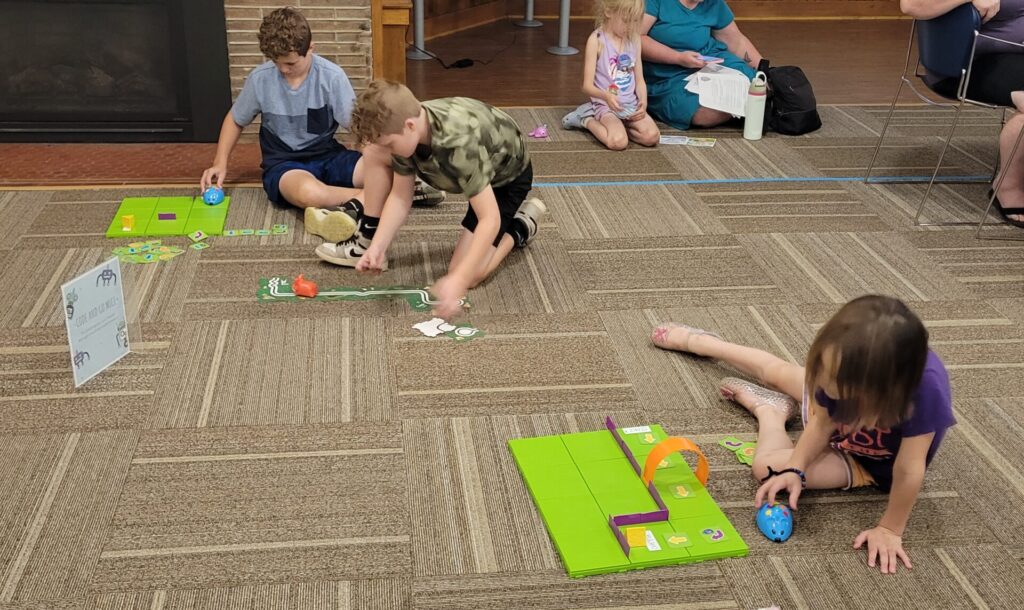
(381, 110)
(283, 31)
(632, 12)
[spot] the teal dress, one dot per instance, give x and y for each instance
(683, 29)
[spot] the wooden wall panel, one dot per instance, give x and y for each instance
(446, 16)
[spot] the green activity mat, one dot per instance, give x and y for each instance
(418, 298)
(588, 489)
(165, 216)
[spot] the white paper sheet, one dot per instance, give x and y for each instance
(720, 88)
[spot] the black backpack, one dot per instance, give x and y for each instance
(791, 108)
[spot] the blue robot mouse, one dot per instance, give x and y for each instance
(775, 521)
(213, 195)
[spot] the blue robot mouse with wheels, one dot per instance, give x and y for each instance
(214, 195)
(775, 521)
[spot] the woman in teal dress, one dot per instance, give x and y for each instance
(675, 34)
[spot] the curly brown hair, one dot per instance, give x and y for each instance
(381, 110)
(283, 31)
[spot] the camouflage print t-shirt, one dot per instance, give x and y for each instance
(472, 145)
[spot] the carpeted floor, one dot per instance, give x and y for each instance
(324, 455)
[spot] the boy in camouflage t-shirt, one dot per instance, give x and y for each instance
(456, 144)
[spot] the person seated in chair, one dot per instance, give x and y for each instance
(997, 77)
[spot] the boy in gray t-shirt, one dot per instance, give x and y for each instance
(303, 99)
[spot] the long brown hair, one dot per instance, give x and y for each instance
(877, 349)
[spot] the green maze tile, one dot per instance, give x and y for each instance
(638, 444)
(556, 483)
(643, 557)
(206, 219)
(576, 481)
(140, 207)
(191, 215)
(619, 503)
(537, 453)
(179, 206)
(612, 476)
(731, 545)
(582, 536)
(592, 446)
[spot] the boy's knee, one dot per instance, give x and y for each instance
(310, 194)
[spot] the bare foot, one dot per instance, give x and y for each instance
(761, 402)
(682, 338)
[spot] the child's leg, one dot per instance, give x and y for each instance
(644, 132)
(609, 130)
(497, 256)
(774, 447)
(494, 257)
(302, 189)
(767, 368)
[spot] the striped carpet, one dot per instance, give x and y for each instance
(325, 455)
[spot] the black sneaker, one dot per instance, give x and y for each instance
(529, 214)
(346, 253)
(426, 196)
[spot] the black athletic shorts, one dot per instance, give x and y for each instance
(510, 197)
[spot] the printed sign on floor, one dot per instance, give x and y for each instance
(96, 321)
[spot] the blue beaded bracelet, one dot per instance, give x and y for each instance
(773, 473)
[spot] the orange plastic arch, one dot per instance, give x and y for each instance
(671, 445)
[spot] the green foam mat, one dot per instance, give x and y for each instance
(578, 481)
(190, 215)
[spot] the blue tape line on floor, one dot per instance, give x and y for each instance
(876, 180)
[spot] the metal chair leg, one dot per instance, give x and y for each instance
(885, 126)
(938, 166)
(995, 191)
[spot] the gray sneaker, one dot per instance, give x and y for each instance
(334, 224)
(530, 213)
(346, 253)
(576, 118)
(426, 196)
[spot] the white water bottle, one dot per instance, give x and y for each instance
(757, 97)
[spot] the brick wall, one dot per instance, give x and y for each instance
(341, 33)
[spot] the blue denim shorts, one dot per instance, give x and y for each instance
(334, 170)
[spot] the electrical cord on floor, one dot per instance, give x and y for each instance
(465, 62)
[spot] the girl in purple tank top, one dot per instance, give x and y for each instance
(875, 401)
(613, 78)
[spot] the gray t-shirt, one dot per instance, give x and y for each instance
(298, 124)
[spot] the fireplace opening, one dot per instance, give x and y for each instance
(108, 70)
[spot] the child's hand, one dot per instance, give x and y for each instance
(213, 176)
(371, 260)
(448, 291)
(691, 59)
(788, 481)
(641, 110)
(884, 543)
(613, 102)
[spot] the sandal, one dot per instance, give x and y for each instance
(1007, 212)
(777, 401)
(659, 335)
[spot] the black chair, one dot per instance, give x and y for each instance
(946, 47)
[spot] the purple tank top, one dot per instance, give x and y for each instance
(614, 71)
